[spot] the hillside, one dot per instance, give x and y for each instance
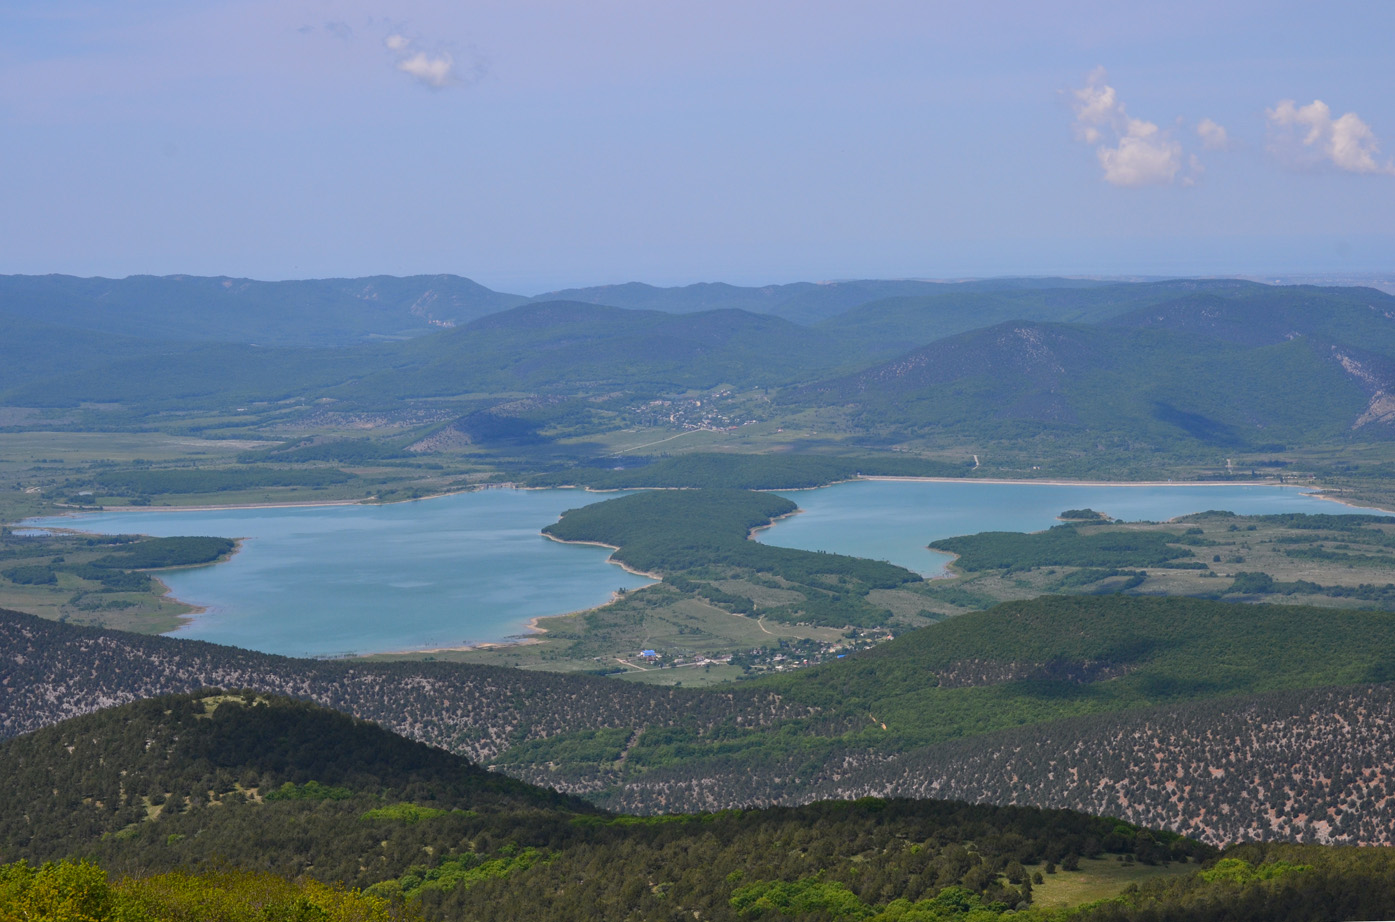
(897, 323)
(310, 312)
(1085, 378)
(266, 783)
(835, 730)
(805, 303)
(1115, 386)
(560, 347)
(567, 344)
(160, 758)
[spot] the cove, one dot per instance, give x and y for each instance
(893, 520)
(336, 580)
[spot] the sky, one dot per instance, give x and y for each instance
(533, 145)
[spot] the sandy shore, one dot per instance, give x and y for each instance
(621, 564)
(1086, 483)
(306, 504)
(1314, 490)
(533, 628)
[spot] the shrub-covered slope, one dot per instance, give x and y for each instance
(252, 782)
(104, 774)
(840, 729)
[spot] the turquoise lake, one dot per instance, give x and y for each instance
(473, 568)
(335, 580)
(893, 520)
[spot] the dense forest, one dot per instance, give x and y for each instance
(240, 805)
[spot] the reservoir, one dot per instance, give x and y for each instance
(335, 580)
(473, 568)
(893, 520)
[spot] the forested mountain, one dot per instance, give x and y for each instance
(1178, 366)
(1150, 386)
(554, 346)
(1078, 676)
(1248, 314)
(567, 344)
(252, 781)
(116, 768)
(806, 302)
(312, 312)
(902, 322)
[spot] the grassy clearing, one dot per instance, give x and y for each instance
(1098, 879)
(1339, 559)
(82, 599)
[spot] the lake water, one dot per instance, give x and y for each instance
(473, 568)
(894, 520)
(332, 580)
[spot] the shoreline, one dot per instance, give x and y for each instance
(1075, 483)
(532, 629)
(619, 563)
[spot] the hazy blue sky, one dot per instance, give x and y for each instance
(531, 145)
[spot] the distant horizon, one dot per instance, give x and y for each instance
(1382, 281)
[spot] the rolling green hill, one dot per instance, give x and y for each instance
(553, 346)
(258, 782)
(1178, 369)
(312, 312)
(802, 302)
(1151, 386)
(894, 324)
(209, 803)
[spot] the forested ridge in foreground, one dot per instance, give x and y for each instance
(270, 783)
(244, 806)
(1142, 678)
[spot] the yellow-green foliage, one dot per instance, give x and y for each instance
(404, 813)
(1240, 871)
(71, 891)
(462, 871)
(65, 892)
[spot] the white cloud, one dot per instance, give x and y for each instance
(1141, 153)
(436, 68)
(433, 71)
(1095, 105)
(1213, 136)
(1346, 142)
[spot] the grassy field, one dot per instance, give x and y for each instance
(71, 589)
(1337, 561)
(1098, 879)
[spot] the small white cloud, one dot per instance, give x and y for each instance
(1141, 154)
(433, 71)
(1195, 170)
(1213, 136)
(1095, 106)
(436, 68)
(1144, 156)
(1346, 142)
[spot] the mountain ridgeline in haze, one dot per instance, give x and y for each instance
(1216, 365)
